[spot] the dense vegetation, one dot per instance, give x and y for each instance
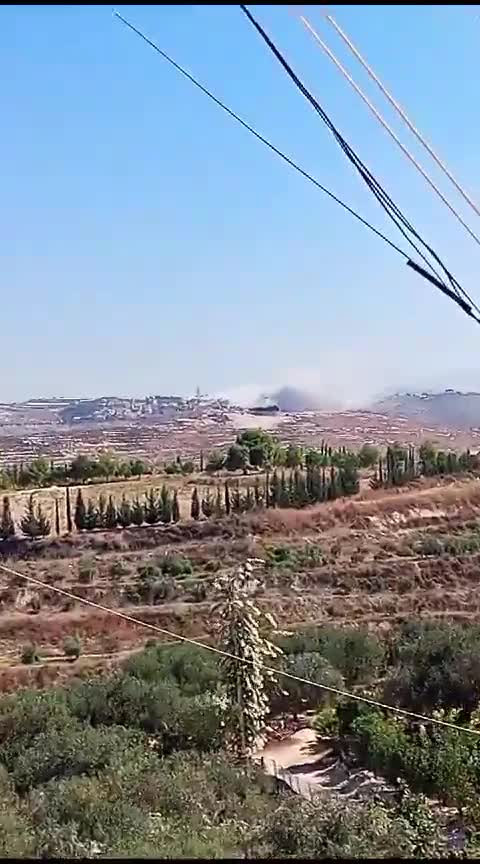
(136, 763)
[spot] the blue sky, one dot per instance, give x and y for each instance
(148, 244)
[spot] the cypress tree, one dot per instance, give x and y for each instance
(152, 512)
(195, 505)
(124, 514)
(91, 516)
(80, 512)
(291, 491)
(236, 499)
(68, 509)
(256, 493)
(102, 513)
(227, 499)
(218, 504)
(138, 512)
(7, 527)
(275, 490)
(207, 504)
(201, 462)
(283, 492)
(175, 507)
(165, 505)
(57, 518)
(333, 488)
(111, 515)
(267, 489)
(34, 523)
(381, 478)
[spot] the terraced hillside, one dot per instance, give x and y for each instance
(376, 559)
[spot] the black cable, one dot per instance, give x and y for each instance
(375, 187)
(260, 137)
(436, 281)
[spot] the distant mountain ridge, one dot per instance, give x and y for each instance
(450, 408)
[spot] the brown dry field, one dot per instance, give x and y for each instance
(357, 561)
(129, 488)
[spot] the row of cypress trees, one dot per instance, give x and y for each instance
(156, 507)
(280, 489)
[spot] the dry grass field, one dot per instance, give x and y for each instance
(375, 559)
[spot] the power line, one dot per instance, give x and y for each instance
(257, 134)
(306, 23)
(271, 669)
(389, 206)
(398, 108)
(436, 280)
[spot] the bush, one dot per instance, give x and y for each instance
(438, 667)
(326, 723)
(87, 570)
(314, 667)
(72, 647)
(331, 828)
(70, 750)
(192, 669)
(357, 654)
(176, 565)
(30, 655)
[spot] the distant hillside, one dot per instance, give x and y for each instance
(450, 408)
(294, 400)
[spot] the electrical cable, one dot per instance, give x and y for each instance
(438, 282)
(306, 23)
(271, 669)
(398, 108)
(375, 187)
(257, 135)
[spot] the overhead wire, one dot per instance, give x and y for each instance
(453, 292)
(435, 721)
(401, 111)
(389, 206)
(258, 135)
(378, 116)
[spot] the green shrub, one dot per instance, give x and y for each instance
(312, 666)
(326, 723)
(72, 647)
(176, 565)
(437, 666)
(30, 655)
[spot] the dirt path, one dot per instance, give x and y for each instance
(310, 767)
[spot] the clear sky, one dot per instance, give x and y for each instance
(148, 244)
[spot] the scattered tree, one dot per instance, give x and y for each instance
(7, 527)
(195, 505)
(34, 523)
(80, 512)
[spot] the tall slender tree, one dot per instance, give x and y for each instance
(91, 516)
(111, 515)
(218, 509)
(57, 518)
(175, 507)
(80, 512)
(68, 509)
(165, 505)
(124, 513)
(152, 510)
(102, 512)
(242, 636)
(138, 512)
(7, 527)
(227, 499)
(195, 505)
